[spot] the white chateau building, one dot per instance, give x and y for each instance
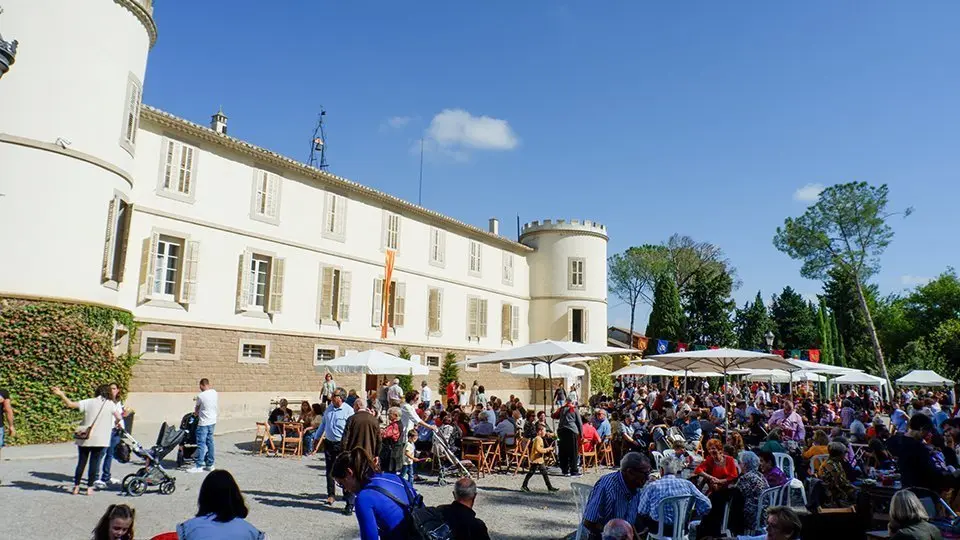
(242, 265)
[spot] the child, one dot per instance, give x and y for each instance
(537, 451)
(409, 457)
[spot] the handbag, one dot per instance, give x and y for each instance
(83, 433)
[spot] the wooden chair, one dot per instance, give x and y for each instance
(291, 439)
(606, 453)
(265, 439)
(472, 450)
(519, 454)
(588, 456)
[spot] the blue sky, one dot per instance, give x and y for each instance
(702, 118)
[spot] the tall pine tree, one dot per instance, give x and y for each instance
(708, 310)
(839, 354)
(796, 324)
(826, 334)
(752, 323)
(666, 316)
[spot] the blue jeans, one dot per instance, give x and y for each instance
(108, 455)
(406, 471)
(310, 440)
(205, 445)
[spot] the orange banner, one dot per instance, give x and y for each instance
(641, 343)
(387, 277)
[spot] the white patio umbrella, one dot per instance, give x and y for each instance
(825, 369)
(923, 377)
(780, 376)
(372, 362)
(645, 370)
(862, 379)
(533, 371)
(548, 352)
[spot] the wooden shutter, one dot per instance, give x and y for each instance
(343, 314)
(275, 298)
(585, 325)
(188, 278)
(482, 318)
(326, 293)
(433, 311)
(376, 318)
(399, 305)
(505, 322)
(443, 246)
(473, 324)
(243, 279)
(515, 323)
(273, 195)
(569, 324)
(185, 177)
(106, 269)
(132, 121)
(123, 229)
(148, 265)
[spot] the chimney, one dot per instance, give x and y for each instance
(218, 122)
(495, 226)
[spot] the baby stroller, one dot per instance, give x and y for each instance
(189, 445)
(152, 473)
(448, 462)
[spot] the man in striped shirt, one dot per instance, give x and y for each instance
(616, 495)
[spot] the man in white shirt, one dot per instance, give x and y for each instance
(395, 394)
(206, 411)
(426, 395)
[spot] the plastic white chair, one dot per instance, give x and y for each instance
(657, 458)
(786, 496)
(681, 507)
(581, 494)
(784, 463)
(768, 497)
(816, 462)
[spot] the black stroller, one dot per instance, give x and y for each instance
(189, 445)
(152, 473)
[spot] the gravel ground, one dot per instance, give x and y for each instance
(285, 496)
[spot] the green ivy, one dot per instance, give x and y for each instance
(44, 344)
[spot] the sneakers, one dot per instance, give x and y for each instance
(115, 481)
(524, 488)
(209, 469)
(553, 489)
(194, 470)
(100, 484)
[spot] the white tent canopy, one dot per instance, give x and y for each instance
(923, 377)
(372, 363)
(534, 371)
(859, 378)
(825, 369)
(644, 370)
(779, 376)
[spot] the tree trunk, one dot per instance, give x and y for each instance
(873, 333)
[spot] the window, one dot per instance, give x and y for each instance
(335, 217)
(115, 241)
(507, 268)
(575, 273)
(469, 367)
(131, 114)
(476, 318)
(168, 269)
(434, 311)
(432, 361)
(510, 323)
(260, 283)
(438, 246)
(505, 366)
(577, 325)
(179, 171)
(334, 295)
(322, 353)
(391, 230)
(254, 351)
(475, 258)
(159, 346)
(265, 200)
(394, 303)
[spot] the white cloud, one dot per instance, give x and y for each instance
(457, 129)
(808, 193)
(913, 281)
(811, 297)
(395, 122)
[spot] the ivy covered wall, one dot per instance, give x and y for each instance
(44, 344)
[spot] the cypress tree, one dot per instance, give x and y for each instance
(666, 315)
(826, 334)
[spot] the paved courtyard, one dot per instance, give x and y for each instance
(285, 497)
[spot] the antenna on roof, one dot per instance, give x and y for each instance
(318, 145)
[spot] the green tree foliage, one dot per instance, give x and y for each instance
(406, 381)
(600, 380)
(839, 351)
(930, 305)
(44, 344)
(825, 329)
(449, 371)
(632, 275)
(845, 230)
(708, 311)
(666, 316)
(795, 321)
(752, 323)
(840, 295)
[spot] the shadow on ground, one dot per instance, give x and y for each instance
(292, 500)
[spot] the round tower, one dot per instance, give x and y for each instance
(568, 280)
(67, 142)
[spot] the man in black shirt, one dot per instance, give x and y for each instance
(460, 516)
(914, 459)
(280, 414)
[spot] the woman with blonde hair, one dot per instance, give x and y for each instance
(908, 518)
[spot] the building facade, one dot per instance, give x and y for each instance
(242, 265)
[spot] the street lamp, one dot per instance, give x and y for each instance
(8, 53)
(769, 338)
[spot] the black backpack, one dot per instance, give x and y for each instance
(423, 522)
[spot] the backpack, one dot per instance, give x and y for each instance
(424, 523)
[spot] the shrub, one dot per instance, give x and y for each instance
(450, 371)
(406, 381)
(44, 344)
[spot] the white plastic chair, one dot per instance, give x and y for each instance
(657, 458)
(581, 494)
(816, 462)
(768, 497)
(786, 496)
(681, 507)
(784, 463)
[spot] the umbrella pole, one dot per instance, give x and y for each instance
(550, 377)
(726, 417)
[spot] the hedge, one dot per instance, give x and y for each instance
(44, 344)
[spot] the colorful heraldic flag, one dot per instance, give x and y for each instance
(642, 343)
(778, 352)
(814, 355)
(699, 347)
(385, 297)
(795, 353)
(681, 347)
(661, 346)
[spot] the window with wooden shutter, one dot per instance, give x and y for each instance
(148, 267)
(475, 253)
(131, 114)
(334, 216)
(178, 174)
(376, 318)
(482, 318)
(188, 278)
(243, 280)
(391, 230)
(265, 199)
(325, 304)
(343, 299)
(473, 320)
(575, 273)
(515, 324)
(399, 303)
(275, 300)
(506, 322)
(106, 268)
(507, 268)
(438, 248)
(434, 311)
